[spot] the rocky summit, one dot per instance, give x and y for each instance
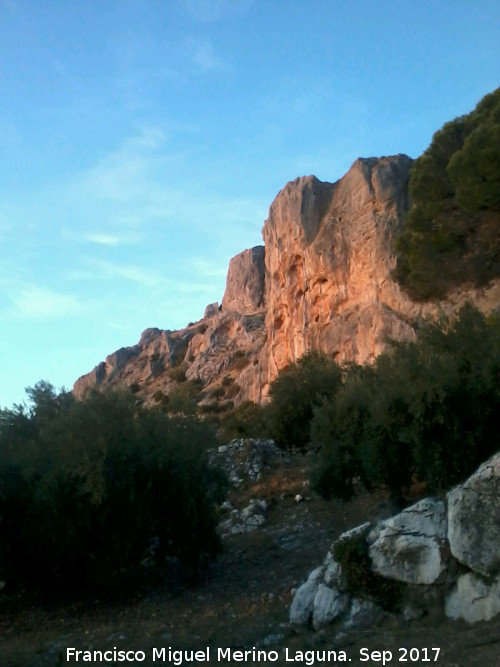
(323, 280)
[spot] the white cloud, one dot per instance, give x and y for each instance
(102, 238)
(108, 239)
(39, 303)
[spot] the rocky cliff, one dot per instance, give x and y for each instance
(323, 280)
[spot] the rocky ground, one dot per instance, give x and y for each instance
(244, 601)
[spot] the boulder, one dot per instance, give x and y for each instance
(246, 520)
(473, 599)
(211, 310)
(245, 459)
(363, 613)
(409, 546)
(412, 547)
(302, 607)
(474, 519)
(329, 604)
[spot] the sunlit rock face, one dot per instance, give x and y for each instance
(245, 282)
(324, 281)
(329, 259)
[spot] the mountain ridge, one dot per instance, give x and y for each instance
(323, 280)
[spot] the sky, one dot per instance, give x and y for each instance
(143, 141)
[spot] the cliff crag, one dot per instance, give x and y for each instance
(324, 280)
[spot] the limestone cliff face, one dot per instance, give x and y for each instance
(329, 258)
(323, 281)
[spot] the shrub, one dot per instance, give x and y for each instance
(233, 390)
(91, 488)
(248, 420)
(337, 429)
(183, 399)
(427, 408)
(296, 392)
(178, 373)
(239, 360)
(217, 392)
(359, 580)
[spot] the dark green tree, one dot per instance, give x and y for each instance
(296, 392)
(452, 232)
(427, 410)
(92, 489)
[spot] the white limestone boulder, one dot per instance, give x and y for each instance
(473, 599)
(363, 613)
(474, 519)
(302, 607)
(329, 604)
(409, 546)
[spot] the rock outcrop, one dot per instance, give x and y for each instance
(245, 282)
(324, 281)
(421, 549)
(474, 520)
(329, 261)
(409, 546)
(245, 459)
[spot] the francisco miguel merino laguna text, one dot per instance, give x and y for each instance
(178, 657)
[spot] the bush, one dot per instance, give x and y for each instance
(90, 489)
(452, 232)
(217, 392)
(427, 408)
(337, 429)
(248, 420)
(359, 580)
(239, 360)
(178, 373)
(296, 392)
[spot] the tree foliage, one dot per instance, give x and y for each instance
(452, 232)
(90, 489)
(427, 409)
(294, 394)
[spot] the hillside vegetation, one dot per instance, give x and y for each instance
(425, 411)
(96, 490)
(452, 233)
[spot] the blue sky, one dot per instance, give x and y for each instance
(142, 142)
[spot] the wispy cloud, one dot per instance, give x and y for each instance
(122, 175)
(102, 238)
(105, 270)
(204, 56)
(108, 239)
(39, 303)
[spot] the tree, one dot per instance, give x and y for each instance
(295, 393)
(452, 232)
(427, 409)
(91, 489)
